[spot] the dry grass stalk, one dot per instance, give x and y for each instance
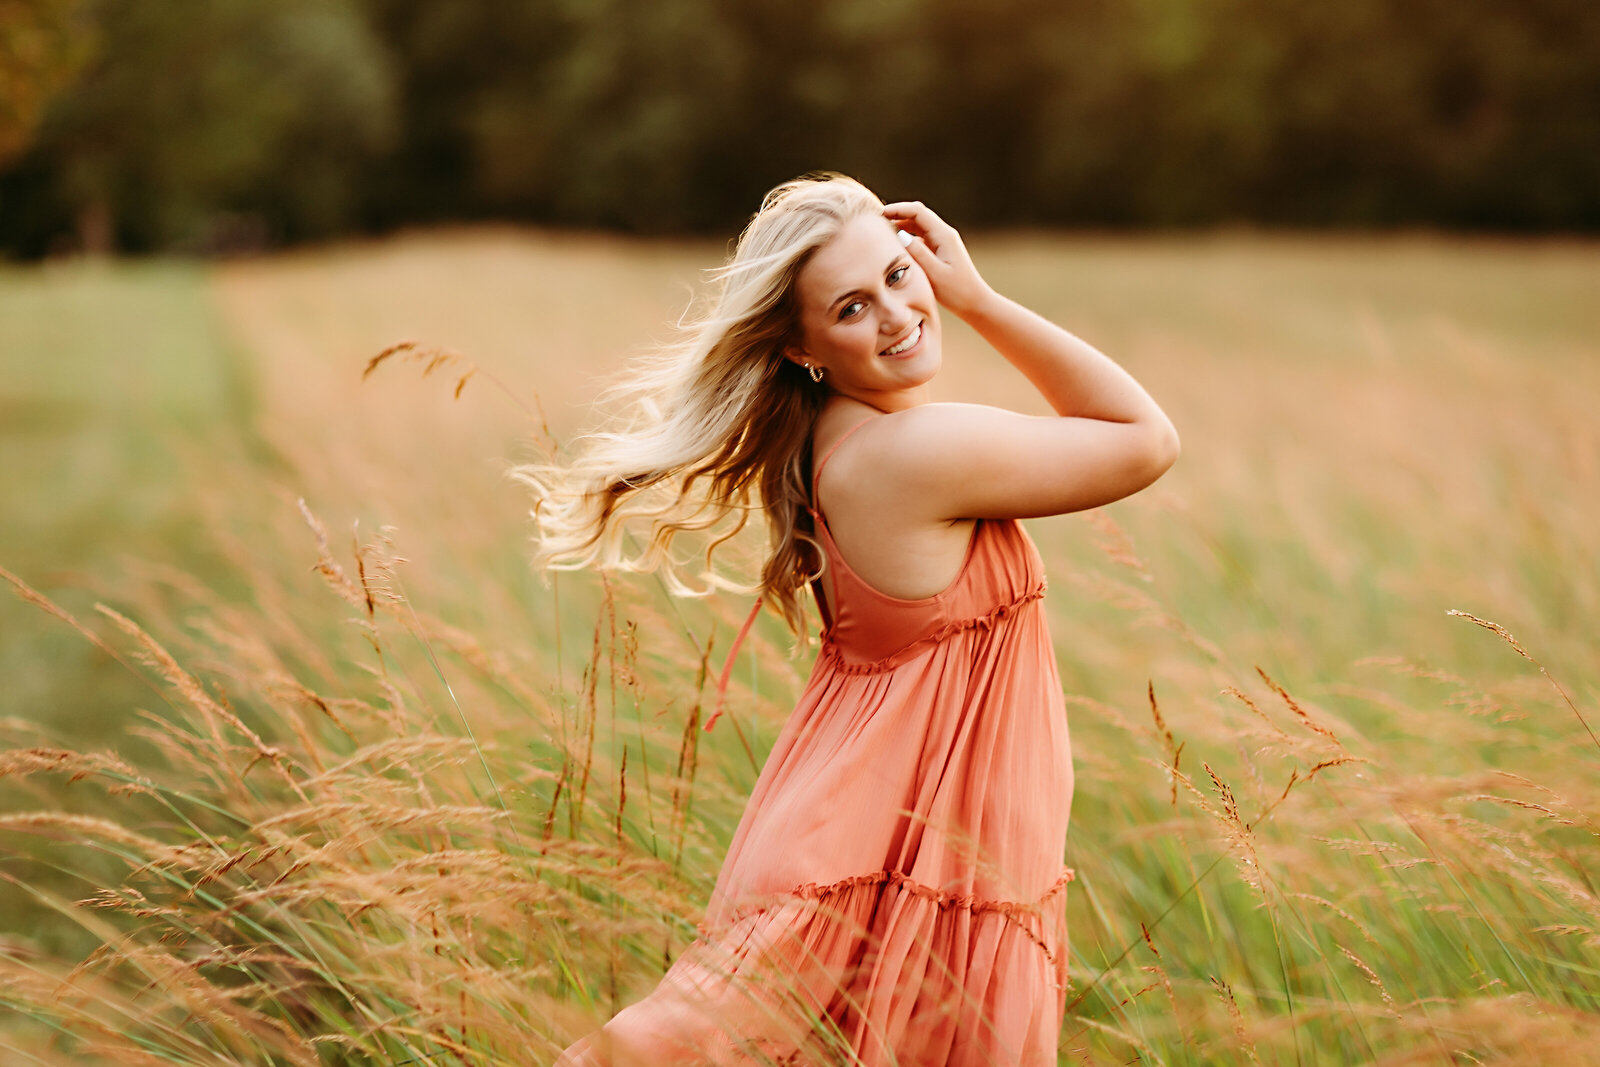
(1372, 976)
(75, 827)
(1512, 641)
(211, 710)
(1224, 993)
(430, 358)
(1174, 751)
(1117, 546)
(122, 777)
(45, 604)
(1300, 712)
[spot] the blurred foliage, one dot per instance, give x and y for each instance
(246, 121)
(40, 51)
(203, 125)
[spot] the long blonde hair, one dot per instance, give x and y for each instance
(712, 416)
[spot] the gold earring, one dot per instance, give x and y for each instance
(815, 372)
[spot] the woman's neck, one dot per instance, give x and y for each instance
(888, 401)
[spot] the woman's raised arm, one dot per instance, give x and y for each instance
(1110, 438)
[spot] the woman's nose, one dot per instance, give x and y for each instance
(896, 314)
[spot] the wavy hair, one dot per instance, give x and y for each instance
(713, 418)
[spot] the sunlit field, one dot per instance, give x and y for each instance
(307, 767)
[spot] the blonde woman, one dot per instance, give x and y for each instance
(894, 892)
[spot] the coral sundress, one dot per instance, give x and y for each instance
(896, 882)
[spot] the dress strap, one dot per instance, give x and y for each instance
(816, 471)
(727, 665)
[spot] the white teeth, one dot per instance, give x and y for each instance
(916, 335)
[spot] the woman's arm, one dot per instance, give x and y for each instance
(1110, 438)
(1074, 376)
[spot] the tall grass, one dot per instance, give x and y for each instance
(389, 799)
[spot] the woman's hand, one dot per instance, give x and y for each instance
(957, 461)
(937, 249)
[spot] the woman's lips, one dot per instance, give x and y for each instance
(905, 344)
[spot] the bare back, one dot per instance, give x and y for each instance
(888, 541)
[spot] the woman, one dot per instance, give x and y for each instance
(894, 891)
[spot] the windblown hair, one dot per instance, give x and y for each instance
(713, 419)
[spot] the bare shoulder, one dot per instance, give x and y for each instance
(916, 423)
(928, 422)
(948, 461)
(878, 456)
(923, 441)
(891, 438)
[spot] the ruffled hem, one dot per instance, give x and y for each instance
(903, 972)
(1025, 915)
(987, 621)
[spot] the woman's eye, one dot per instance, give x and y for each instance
(850, 309)
(896, 275)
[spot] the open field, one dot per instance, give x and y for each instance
(394, 797)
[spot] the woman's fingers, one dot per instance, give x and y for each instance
(906, 209)
(926, 258)
(917, 218)
(939, 251)
(911, 215)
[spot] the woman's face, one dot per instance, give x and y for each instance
(868, 317)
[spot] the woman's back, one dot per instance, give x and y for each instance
(999, 569)
(892, 547)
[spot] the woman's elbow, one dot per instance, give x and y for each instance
(1162, 447)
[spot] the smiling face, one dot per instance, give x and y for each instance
(868, 317)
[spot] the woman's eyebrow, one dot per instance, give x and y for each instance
(842, 297)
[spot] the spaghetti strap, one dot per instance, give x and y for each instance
(816, 471)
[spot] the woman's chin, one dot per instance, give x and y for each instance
(923, 366)
(912, 380)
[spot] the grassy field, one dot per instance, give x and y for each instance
(307, 767)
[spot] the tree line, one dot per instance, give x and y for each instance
(127, 124)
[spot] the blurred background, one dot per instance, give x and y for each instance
(1350, 248)
(237, 124)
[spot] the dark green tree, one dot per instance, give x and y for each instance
(311, 117)
(192, 121)
(42, 47)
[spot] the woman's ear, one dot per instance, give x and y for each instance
(796, 354)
